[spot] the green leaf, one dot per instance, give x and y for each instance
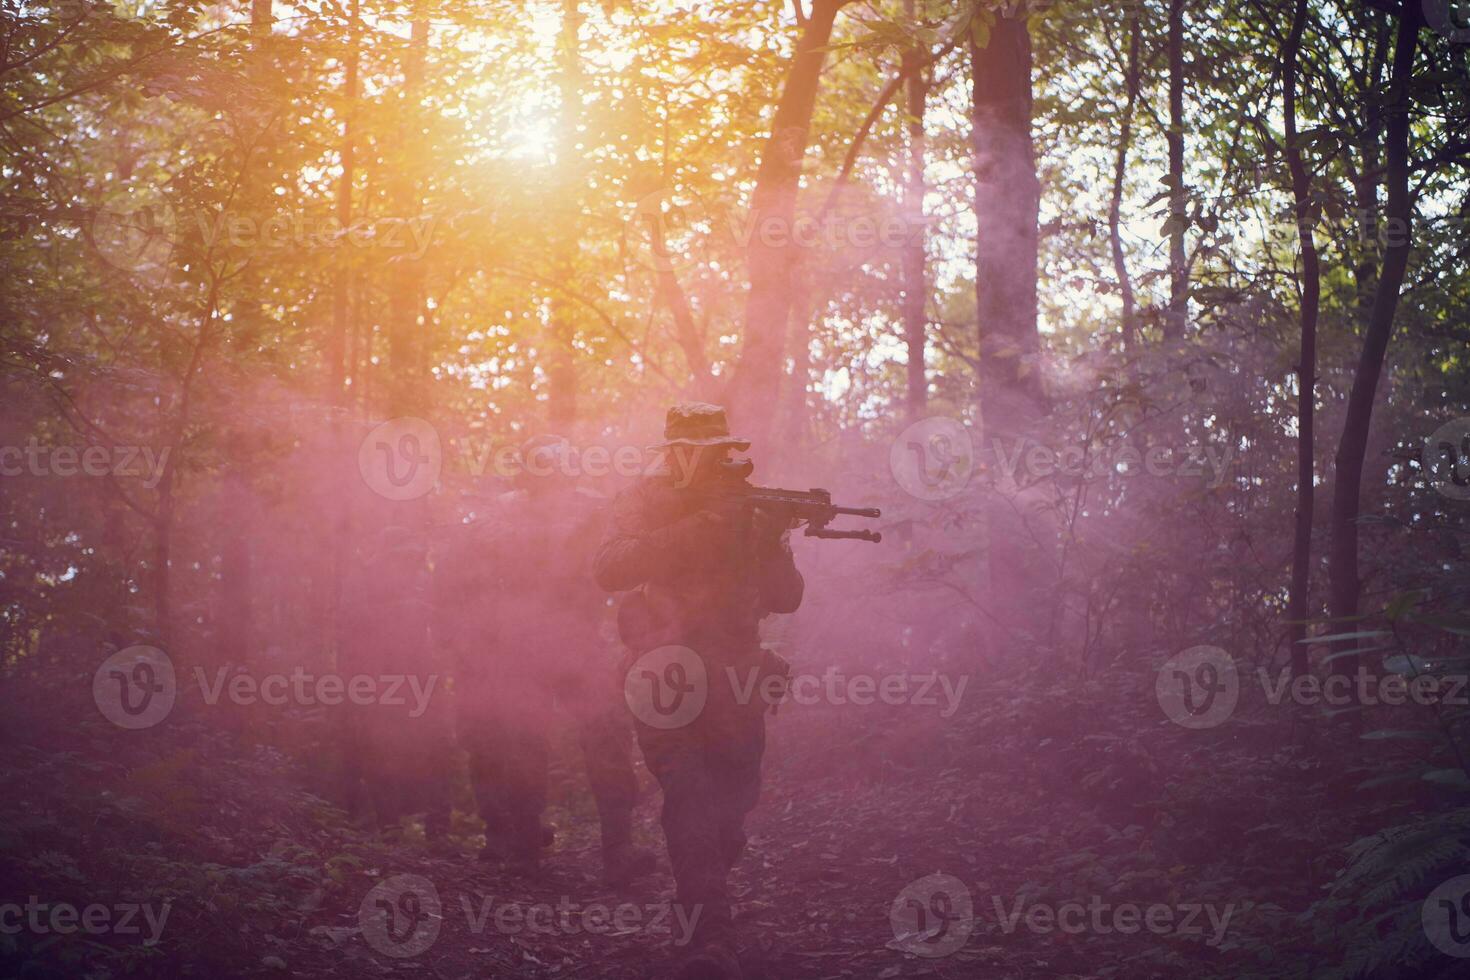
(1385, 734)
(1401, 604)
(1355, 652)
(1388, 779)
(1448, 777)
(1407, 664)
(1335, 637)
(980, 29)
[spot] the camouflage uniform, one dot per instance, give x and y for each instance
(516, 606)
(705, 587)
(384, 630)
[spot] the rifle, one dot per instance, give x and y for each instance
(813, 507)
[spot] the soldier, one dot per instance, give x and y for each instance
(516, 604)
(401, 758)
(706, 570)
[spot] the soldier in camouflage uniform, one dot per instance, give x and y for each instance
(704, 571)
(516, 605)
(401, 760)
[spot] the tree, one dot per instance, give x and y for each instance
(915, 282)
(1304, 211)
(1343, 583)
(756, 380)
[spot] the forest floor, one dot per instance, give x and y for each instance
(1093, 837)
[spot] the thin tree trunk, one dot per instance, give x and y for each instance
(1365, 178)
(561, 372)
(806, 300)
(235, 636)
(686, 331)
(1297, 606)
(1120, 168)
(915, 286)
(406, 275)
(337, 337)
(1178, 310)
(755, 382)
(1343, 581)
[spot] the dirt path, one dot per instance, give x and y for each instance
(860, 805)
(1079, 835)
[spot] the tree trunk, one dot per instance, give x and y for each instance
(686, 331)
(1178, 312)
(235, 628)
(1120, 169)
(1007, 202)
(1297, 605)
(261, 19)
(755, 382)
(337, 336)
(561, 371)
(407, 371)
(915, 287)
(1343, 582)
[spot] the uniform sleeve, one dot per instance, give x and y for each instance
(624, 560)
(781, 585)
(632, 551)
